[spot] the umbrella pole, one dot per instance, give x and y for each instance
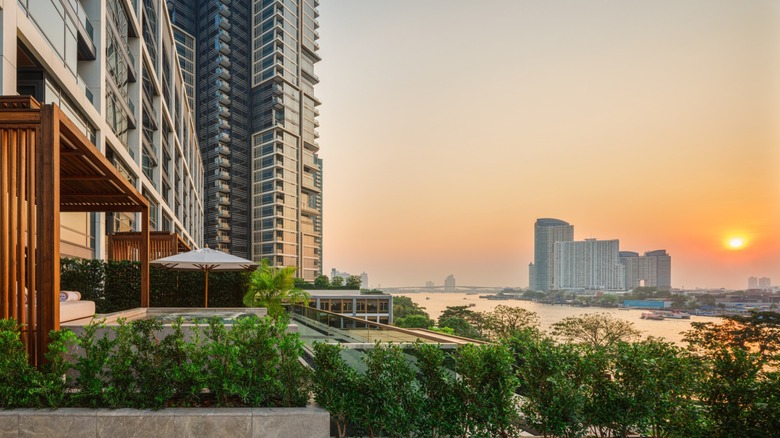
(207, 289)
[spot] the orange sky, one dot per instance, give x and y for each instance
(449, 126)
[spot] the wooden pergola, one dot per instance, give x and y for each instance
(127, 245)
(48, 166)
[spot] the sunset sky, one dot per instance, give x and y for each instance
(449, 126)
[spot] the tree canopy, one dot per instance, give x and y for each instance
(595, 329)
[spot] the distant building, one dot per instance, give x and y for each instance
(752, 283)
(376, 308)
(764, 283)
(429, 284)
(654, 269)
(647, 304)
(345, 275)
(449, 283)
(547, 232)
(336, 273)
(589, 264)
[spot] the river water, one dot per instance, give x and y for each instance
(669, 329)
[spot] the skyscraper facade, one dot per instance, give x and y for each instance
(110, 66)
(449, 283)
(251, 66)
(547, 231)
(653, 269)
(588, 265)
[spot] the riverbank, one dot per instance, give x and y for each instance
(549, 314)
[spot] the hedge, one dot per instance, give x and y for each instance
(116, 285)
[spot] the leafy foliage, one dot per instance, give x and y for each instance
(21, 384)
(140, 364)
(336, 385)
(504, 321)
(115, 285)
(271, 287)
(414, 321)
(595, 330)
(740, 385)
(404, 306)
(353, 282)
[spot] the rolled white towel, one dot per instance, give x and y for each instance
(68, 295)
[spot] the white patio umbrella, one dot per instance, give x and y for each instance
(206, 260)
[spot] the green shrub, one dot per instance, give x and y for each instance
(487, 387)
(21, 384)
(336, 385)
(17, 376)
(390, 398)
(442, 410)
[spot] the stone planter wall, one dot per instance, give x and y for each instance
(176, 422)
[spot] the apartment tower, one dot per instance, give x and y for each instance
(590, 264)
(250, 65)
(110, 65)
(547, 231)
(653, 269)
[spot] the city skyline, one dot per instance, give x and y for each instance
(455, 125)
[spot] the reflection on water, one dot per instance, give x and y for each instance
(669, 329)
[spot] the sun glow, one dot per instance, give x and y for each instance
(736, 243)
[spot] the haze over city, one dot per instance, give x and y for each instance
(448, 127)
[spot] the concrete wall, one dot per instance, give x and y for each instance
(176, 422)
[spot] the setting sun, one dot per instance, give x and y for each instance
(736, 243)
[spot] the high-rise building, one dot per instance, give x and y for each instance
(364, 280)
(653, 269)
(547, 231)
(764, 283)
(449, 283)
(251, 66)
(752, 283)
(589, 265)
(111, 66)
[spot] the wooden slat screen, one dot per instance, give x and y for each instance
(127, 246)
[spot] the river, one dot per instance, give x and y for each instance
(669, 329)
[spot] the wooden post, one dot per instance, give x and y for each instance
(5, 304)
(145, 301)
(48, 212)
(206, 304)
(32, 244)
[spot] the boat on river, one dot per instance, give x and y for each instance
(655, 316)
(674, 314)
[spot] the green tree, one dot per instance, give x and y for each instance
(271, 287)
(460, 327)
(645, 387)
(404, 306)
(391, 399)
(414, 321)
(595, 329)
(740, 364)
(457, 312)
(552, 380)
(353, 282)
(504, 321)
(337, 282)
(442, 411)
(336, 386)
(322, 282)
(487, 387)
